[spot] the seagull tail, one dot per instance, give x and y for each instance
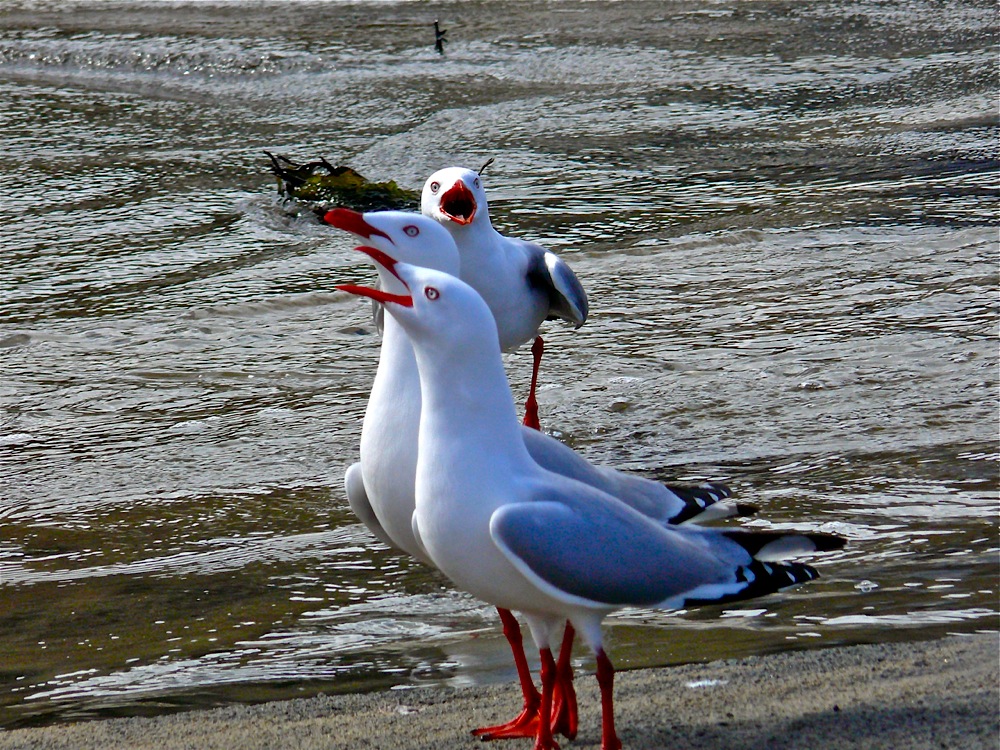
(762, 576)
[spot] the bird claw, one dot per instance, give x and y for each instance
(525, 725)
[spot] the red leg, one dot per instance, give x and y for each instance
(531, 404)
(544, 740)
(526, 723)
(606, 679)
(564, 711)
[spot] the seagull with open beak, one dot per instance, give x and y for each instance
(380, 487)
(523, 284)
(519, 536)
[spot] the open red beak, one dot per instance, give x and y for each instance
(389, 264)
(353, 222)
(458, 204)
(383, 259)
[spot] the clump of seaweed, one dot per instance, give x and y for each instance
(320, 186)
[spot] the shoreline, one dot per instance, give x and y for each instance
(927, 694)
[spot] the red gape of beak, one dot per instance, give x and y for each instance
(389, 264)
(458, 204)
(353, 222)
(383, 259)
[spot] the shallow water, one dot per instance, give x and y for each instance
(784, 214)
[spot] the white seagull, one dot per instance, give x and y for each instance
(512, 533)
(523, 283)
(380, 487)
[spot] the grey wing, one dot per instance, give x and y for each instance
(663, 503)
(645, 496)
(599, 550)
(357, 498)
(547, 271)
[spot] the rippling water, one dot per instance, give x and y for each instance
(785, 215)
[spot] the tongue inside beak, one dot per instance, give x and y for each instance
(458, 204)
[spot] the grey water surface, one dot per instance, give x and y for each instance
(785, 214)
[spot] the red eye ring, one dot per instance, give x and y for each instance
(435, 186)
(431, 293)
(411, 230)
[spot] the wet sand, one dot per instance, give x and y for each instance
(934, 694)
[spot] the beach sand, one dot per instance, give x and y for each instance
(934, 694)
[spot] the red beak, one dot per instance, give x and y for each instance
(459, 204)
(383, 259)
(389, 264)
(353, 222)
(376, 294)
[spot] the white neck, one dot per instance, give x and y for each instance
(396, 376)
(480, 233)
(393, 412)
(468, 418)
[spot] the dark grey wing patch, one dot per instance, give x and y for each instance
(567, 298)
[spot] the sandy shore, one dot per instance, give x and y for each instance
(936, 694)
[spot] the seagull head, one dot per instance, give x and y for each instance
(439, 312)
(401, 237)
(455, 197)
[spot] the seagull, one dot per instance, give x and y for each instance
(523, 283)
(380, 487)
(508, 531)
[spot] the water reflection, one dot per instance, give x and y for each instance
(286, 611)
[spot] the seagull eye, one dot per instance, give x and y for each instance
(411, 231)
(435, 186)
(475, 183)
(431, 293)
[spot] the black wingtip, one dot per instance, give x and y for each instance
(828, 542)
(699, 498)
(761, 579)
(754, 541)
